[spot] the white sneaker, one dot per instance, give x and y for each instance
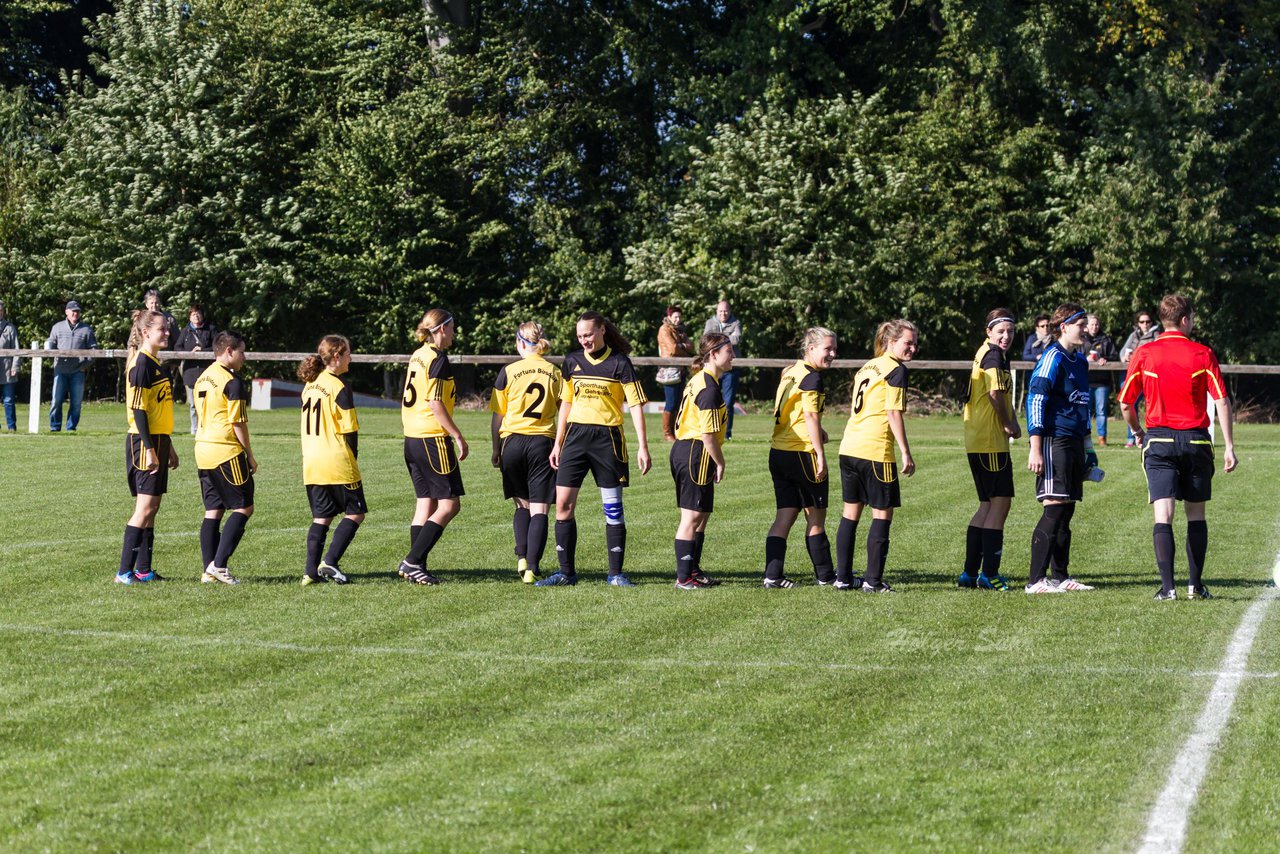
(1072, 585)
(217, 573)
(1044, 585)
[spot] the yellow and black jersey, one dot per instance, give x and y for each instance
(527, 395)
(328, 417)
(597, 383)
(147, 387)
(983, 429)
(702, 409)
(430, 378)
(222, 399)
(800, 390)
(880, 387)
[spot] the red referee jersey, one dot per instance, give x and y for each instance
(1176, 374)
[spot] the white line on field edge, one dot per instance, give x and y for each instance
(1166, 831)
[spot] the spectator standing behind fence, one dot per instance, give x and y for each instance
(195, 337)
(726, 324)
(1100, 350)
(1039, 338)
(1144, 332)
(673, 340)
(69, 371)
(152, 302)
(8, 370)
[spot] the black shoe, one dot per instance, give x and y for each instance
(1200, 592)
(1163, 595)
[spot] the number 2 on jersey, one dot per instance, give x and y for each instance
(534, 411)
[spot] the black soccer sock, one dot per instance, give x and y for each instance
(129, 552)
(1043, 539)
(846, 537)
(1197, 548)
(1060, 555)
(775, 555)
(422, 546)
(342, 537)
(615, 540)
(877, 550)
(520, 525)
(537, 540)
(231, 534)
(992, 551)
(684, 559)
(972, 551)
(698, 539)
(414, 531)
(315, 544)
(142, 557)
(1162, 538)
(819, 548)
(209, 537)
(567, 546)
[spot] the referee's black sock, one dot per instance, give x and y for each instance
(1162, 538)
(1197, 547)
(615, 540)
(342, 537)
(231, 534)
(973, 551)
(992, 551)
(698, 539)
(422, 546)
(846, 537)
(414, 530)
(877, 550)
(567, 545)
(1043, 539)
(129, 552)
(775, 555)
(209, 537)
(520, 525)
(142, 557)
(315, 544)
(1060, 555)
(684, 559)
(819, 548)
(537, 540)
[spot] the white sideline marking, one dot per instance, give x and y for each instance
(1167, 825)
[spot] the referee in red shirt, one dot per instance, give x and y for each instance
(1177, 375)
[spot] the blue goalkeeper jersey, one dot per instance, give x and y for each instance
(1058, 395)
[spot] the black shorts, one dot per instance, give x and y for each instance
(694, 472)
(1063, 475)
(336, 499)
(526, 468)
(229, 486)
(433, 467)
(600, 450)
(870, 482)
(1179, 464)
(795, 482)
(992, 475)
(140, 480)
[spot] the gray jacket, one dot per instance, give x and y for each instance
(731, 327)
(65, 337)
(1137, 338)
(8, 341)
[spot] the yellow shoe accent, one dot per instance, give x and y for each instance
(528, 576)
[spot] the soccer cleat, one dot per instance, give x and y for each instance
(529, 576)
(146, 577)
(999, 583)
(308, 580)
(779, 583)
(620, 580)
(1163, 595)
(1200, 592)
(703, 579)
(416, 574)
(688, 584)
(522, 566)
(1044, 585)
(217, 573)
(329, 572)
(847, 585)
(1072, 586)
(967, 580)
(557, 579)
(126, 577)
(878, 587)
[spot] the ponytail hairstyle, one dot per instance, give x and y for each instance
(227, 340)
(710, 343)
(890, 331)
(533, 335)
(330, 349)
(143, 319)
(814, 335)
(431, 322)
(612, 337)
(1067, 311)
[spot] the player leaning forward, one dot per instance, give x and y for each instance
(223, 456)
(1178, 376)
(1061, 452)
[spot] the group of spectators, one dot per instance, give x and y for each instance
(674, 341)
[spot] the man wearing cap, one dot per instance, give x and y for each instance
(69, 371)
(8, 370)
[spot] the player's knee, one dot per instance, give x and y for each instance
(356, 517)
(245, 511)
(611, 498)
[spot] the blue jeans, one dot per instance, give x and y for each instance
(671, 393)
(1129, 437)
(62, 385)
(728, 390)
(8, 392)
(1098, 407)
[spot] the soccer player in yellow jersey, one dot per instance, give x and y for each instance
(798, 460)
(697, 461)
(989, 424)
(223, 456)
(426, 411)
(525, 403)
(589, 437)
(330, 434)
(868, 471)
(149, 452)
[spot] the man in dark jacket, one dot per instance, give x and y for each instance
(196, 336)
(1100, 350)
(1037, 340)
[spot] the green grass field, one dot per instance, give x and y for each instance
(485, 715)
